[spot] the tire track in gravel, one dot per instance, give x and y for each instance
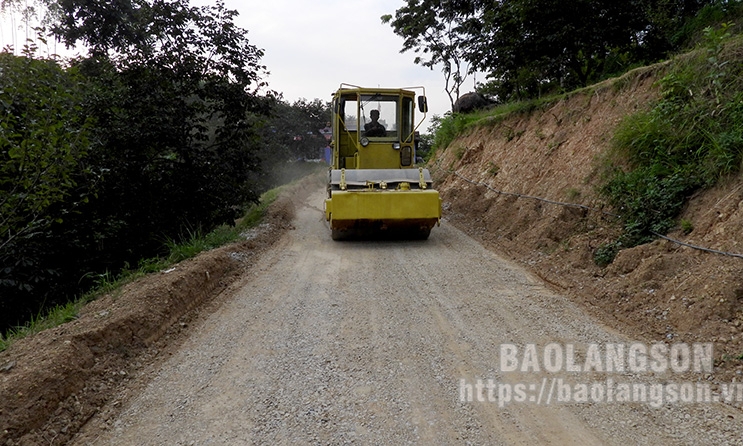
(366, 343)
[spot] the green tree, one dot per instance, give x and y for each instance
(166, 142)
(309, 117)
(43, 139)
(533, 46)
(104, 26)
(530, 47)
(667, 23)
(438, 31)
(291, 133)
(171, 96)
(45, 178)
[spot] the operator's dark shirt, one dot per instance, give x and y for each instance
(374, 129)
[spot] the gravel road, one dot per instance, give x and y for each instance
(377, 343)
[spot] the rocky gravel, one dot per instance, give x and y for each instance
(377, 342)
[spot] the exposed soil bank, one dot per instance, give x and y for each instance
(662, 291)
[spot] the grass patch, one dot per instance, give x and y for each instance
(447, 128)
(686, 226)
(493, 169)
(57, 316)
(256, 212)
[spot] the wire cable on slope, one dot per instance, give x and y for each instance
(581, 206)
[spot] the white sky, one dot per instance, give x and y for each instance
(312, 47)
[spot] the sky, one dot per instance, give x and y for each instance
(313, 47)
(310, 48)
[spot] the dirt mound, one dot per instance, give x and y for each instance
(658, 292)
(53, 382)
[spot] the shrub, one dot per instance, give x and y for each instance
(691, 138)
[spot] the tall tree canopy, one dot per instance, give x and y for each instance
(437, 29)
(172, 86)
(297, 127)
(540, 44)
(528, 47)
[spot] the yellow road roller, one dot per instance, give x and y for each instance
(375, 189)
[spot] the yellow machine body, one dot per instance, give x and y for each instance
(374, 187)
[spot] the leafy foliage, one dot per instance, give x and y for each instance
(174, 142)
(291, 135)
(446, 128)
(438, 31)
(529, 48)
(550, 45)
(293, 130)
(44, 142)
(156, 131)
(425, 141)
(692, 137)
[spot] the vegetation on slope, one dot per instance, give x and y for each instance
(690, 139)
(190, 245)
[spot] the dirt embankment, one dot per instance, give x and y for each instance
(662, 291)
(53, 382)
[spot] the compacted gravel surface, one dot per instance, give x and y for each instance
(383, 342)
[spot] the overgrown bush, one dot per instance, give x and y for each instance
(691, 138)
(446, 128)
(103, 162)
(44, 176)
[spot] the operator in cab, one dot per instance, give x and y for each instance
(374, 128)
